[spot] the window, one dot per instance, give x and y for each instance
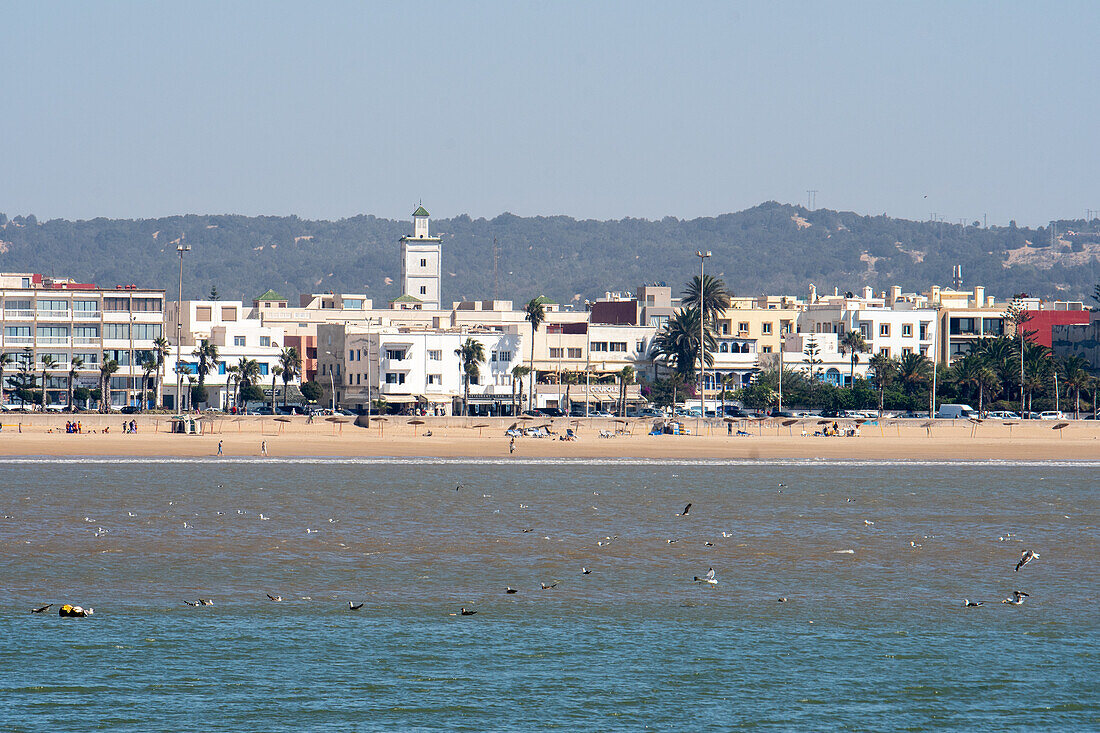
(423, 262)
(725, 328)
(86, 306)
(785, 328)
(263, 368)
(152, 305)
(118, 304)
(963, 326)
(228, 313)
(743, 327)
(617, 346)
(906, 350)
(52, 332)
(18, 305)
(907, 330)
(119, 355)
(353, 304)
(91, 360)
(423, 290)
(435, 355)
(351, 354)
(766, 328)
(884, 329)
(202, 313)
(597, 346)
(17, 331)
(435, 379)
(358, 379)
(493, 356)
(555, 353)
(265, 341)
(238, 340)
(395, 354)
(924, 332)
(766, 350)
(148, 331)
(53, 305)
(395, 378)
(574, 353)
(86, 332)
(507, 356)
(116, 330)
(993, 326)
(885, 352)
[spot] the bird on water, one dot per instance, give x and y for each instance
(1025, 557)
(708, 578)
(1017, 598)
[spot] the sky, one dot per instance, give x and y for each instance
(598, 110)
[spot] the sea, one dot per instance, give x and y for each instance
(874, 560)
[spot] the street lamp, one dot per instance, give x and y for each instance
(702, 338)
(332, 382)
(1057, 402)
(782, 341)
(181, 248)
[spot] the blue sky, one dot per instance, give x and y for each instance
(595, 110)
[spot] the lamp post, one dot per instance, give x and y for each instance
(781, 342)
(273, 345)
(332, 382)
(181, 248)
(702, 338)
(130, 379)
(1057, 402)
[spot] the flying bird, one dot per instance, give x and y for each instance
(1025, 557)
(275, 598)
(1017, 598)
(548, 587)
(685, 512)
(708, 578)
(41, 609)
(585, 571)
(353, 607)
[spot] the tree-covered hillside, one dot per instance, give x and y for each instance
(773, 248)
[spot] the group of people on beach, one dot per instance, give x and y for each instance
(129, 427)
(74, 426)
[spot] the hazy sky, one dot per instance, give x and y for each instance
(591, 109)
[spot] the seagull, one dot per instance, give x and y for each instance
(727, 535)
(40, 609)
(1025, 557)
(781, 599)
(671, 541)
(275, 598)
(585, 571)
(548, 587)
(685, 512)
(460, 486)
(510, 590)
(971, 604)
(466, 612)
(914, 544)
(868, 522)
(527, 530)
(263, 518)
(130, 514)
(206, 602)
(708, 578)
(353, 607)
(1017, 598)
(708, 544)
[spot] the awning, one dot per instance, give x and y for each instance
(438, 399)
(398, 399)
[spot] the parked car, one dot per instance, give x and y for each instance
(735, 412)
(551, 412)
(261, 411)
(130, 410)
(1002, 415)
(1029, 415)
(956, 411)
(1052, 415)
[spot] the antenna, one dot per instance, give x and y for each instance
(811, 198)
(496, 270)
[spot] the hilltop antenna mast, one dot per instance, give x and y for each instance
(496, 270)
(811, 198)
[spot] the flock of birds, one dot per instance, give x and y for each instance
(709, 578)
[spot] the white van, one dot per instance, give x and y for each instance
(954, 412)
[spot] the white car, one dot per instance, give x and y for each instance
(1052, 415)
(1002, 415)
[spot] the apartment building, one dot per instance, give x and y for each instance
(81, 325)
(891, 323)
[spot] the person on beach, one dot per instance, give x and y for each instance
(219, 447)
(263, 447)
(512, 446)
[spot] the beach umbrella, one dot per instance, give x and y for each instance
(414, 423)
(1009, 426)
(479, 426)
(928, 426)
(380, 421)
(282, 420)
(526, 417)
(336, 421)
(1060, 427)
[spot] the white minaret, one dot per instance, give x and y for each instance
(421, 265)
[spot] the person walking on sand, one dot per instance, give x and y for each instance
(263, 447)
(512, 446)
(219, 447)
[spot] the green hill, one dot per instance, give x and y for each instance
(773, 248)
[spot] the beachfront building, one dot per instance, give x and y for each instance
(62, 326)
(421, 266)
(232, 327)
(891, 324)
(1079, 339)
(414, 368)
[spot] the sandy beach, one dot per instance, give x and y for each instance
(44, 435)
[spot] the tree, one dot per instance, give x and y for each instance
(883, 372)
(470, 354)
(535, 315)
(275, 371)
(149, 369)
(5, 361)
(568, 379)
(812, 353)
(1018, 316)
(106, 369)
(48, 363)
(852, 342)
(248, 373)
(716, 297)
(626, 377)
(75, 365)
(214, 293)
(312, 391)
(206, 355)
(914, 372)
(677, 345)
(1000, 354)
(291, 363)
(161, 349)
(1075, 376)
(518, 373)
(83, 394)
(988, 383)
(26, 380)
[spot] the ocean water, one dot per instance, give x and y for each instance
(874, 634)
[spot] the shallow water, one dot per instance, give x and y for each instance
(877, 638)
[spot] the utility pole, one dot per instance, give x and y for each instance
(702, 338)
(181, 248)
(496, 270)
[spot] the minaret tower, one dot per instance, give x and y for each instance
(421, 263)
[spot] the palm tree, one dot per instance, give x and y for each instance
(5, 361)
(74, 366)
(48, 363)
(626, 376)
(1000, 354)
(470, 354)
(207, 355)
(914, 372)
(1076, 377)
(536, 314)
(568, 379)
(231, 376)
(988, 382)
(1018, 316)
(883, 371)
(1038, 369)
(161, 350)
(248, 374)
(518, 373)
(678, 343)
(965, 372)
(716, 297)
(853, 343)
(291, 362)
(106, 369)
(149, 369)
(275, 371)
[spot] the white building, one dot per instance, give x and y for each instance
(421, 265)
(65, 320)
(410, 366)
(232, 327)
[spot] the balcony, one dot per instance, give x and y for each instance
(395, 389)
(53, 341)
(85, 341)
(87, 315)
(19, 341)
(54, 315)
(18, 315)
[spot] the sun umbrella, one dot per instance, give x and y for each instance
(479, 426)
